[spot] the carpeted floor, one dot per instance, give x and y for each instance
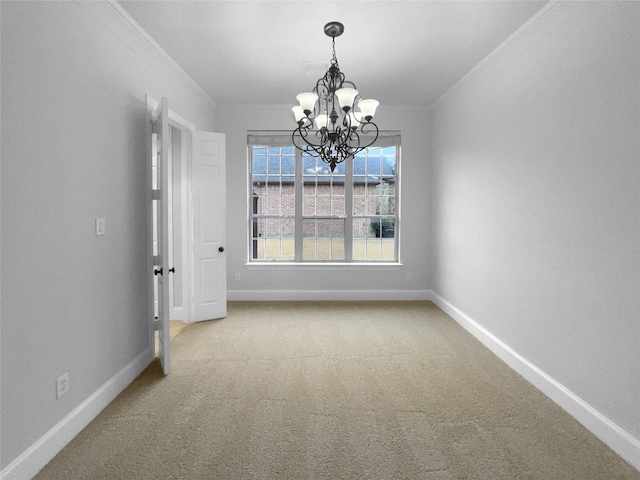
(346, 390)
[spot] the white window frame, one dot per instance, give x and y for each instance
(281, 139)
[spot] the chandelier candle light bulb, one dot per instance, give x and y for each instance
(340, 133)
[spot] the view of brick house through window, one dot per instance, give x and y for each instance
(302, 212)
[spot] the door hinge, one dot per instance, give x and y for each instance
(156, 324)
(154, 126)
(156, 194)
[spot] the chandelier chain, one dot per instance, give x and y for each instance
(334, 60)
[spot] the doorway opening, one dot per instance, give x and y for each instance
(178, 232)
(186, 224)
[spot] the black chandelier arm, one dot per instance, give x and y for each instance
(347, 136)
(309, 149)
(353, 140)
(357, 143)
(343, 135)
(333, 80)
(301, 141)
(305, 123)
(369, 128)
(347, 152)
(327, 85)
(301, 133)
(349, 83)
(348, 142)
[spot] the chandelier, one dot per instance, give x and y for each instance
(329, 126)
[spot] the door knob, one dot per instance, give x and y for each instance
(221, 249)
(172, 270)
(157, 272)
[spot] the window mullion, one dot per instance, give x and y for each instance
(299, 186)
(348, 206)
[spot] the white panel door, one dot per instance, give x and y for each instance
(161, 260)
(208, 197)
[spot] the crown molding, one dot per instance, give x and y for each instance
(537, 20)
(114, 16)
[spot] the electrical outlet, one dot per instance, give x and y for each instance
(62, 385)
(237, 276)
(101, 227)
(409, 276)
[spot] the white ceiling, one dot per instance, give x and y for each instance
(399, 52)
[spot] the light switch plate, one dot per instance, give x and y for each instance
(62, 385)
(100, 227)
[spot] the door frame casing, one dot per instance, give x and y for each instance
(186, 128)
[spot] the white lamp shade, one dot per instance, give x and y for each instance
(346, 96)
(354, 118)
(298, 113)
(368, 107)
(307, 100)
(321, 120)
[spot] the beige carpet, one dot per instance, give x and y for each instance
(390, 390)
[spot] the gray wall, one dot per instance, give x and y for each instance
(74, 79)
(527, 219)
(536, 201)
(328, 283)
(322, 283)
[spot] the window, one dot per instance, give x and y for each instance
(302, 212)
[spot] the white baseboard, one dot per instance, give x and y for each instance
(618, 439)
(328, 295)
(32, 460)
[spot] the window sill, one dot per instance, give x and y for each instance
(323, 266)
